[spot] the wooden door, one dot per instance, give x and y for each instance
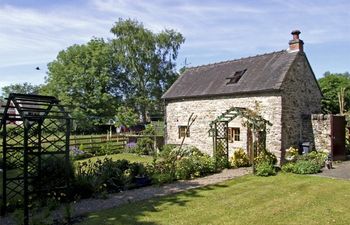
(338, 137)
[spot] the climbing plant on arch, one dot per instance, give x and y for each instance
(251, 119)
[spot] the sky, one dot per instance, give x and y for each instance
(32, 32)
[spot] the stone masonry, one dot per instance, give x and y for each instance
(321, 125)
(299, 96)
(208, 109)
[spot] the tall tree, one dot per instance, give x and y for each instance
(81, 77)
(134, 69)
(25, 88)
(333, 84)
(148, 62)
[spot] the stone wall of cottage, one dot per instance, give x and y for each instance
(321, 126)
(242, 143)
(301, 97)
(208, 109)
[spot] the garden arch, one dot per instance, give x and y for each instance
(34, 129)
(251, 119)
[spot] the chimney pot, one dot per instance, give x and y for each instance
(296, 44)
(295, 34)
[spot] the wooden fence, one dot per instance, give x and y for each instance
(95, 142)
(119, 141)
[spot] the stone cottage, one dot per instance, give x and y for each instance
(282, 85)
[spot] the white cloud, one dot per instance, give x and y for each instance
(29, 35)
(213, 29)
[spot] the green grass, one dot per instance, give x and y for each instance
(128, 156)
(10, 173)
(282, 199)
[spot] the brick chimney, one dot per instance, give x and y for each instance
(296, 45)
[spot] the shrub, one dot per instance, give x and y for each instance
(288, 167)
(306, 167)
(83, 156)
(166, 149)
(15, 161)
(265, 156)
(306, 164)
(317, 157)
(265, 169)
(108, 148)
(292, 154)
(187, 162)
(144, 146)
(220, 155)
(149, 130)
(239, 159)
(162, 178)
(87, 185)
(93, 178)
(55, 173)
(193, 166)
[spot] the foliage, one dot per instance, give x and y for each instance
(347, 139)
(288, 167)
(239, 158)
(306, 167)
(149, 130)
(108, 148)
(84, 77)
(292, 153)
(306, 164)
(195, 165)
(55, 172)
(97, 76)
(144, 146)
(126, 116)
(93, 178)
(317, 156)
(264, 163)
(85, 155)
(331, 84)
(221, 156)
(265, 156)
(181, 163)
(264, 169)
(166, 149)
(148, 60)
(128, 156)
(25, 88)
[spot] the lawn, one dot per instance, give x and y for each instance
(128, 156)
(282, 199)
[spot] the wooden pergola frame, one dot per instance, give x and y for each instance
(33, 128)
(219, 131)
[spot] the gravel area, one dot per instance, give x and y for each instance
(340, 170)
(114, 200)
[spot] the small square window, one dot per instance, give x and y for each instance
(184, 131)
(236, 77)
(234, 134)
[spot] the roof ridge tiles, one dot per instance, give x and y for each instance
(234, 60)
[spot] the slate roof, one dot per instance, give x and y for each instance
(263, 73)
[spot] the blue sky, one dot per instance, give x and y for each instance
(32, 32)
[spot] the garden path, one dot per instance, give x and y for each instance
(340, 170)
(114, 200)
